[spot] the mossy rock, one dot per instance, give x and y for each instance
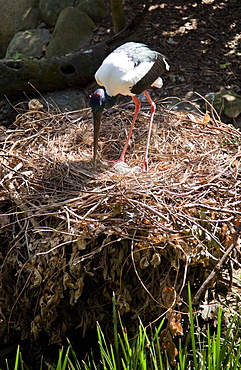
(96, 9)
(226, 102)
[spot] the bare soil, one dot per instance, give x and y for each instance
(202, 41)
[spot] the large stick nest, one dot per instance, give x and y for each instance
(72, 234)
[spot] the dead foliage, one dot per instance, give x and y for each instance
(72, 234)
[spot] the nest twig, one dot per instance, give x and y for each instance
(73, 233)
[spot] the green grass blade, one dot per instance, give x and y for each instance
(155, 337)
(66, 359)
(182, 356)
(227, 348)
(17, 359)
(237, 362)
(41, 363)
(76, 365)
(86, 367)
(159, 353)
(218, 339)
(113, 358)
(116, 341)
(6, 362)
(99, 334)
(22, 364)
(107, 355)
(209, 350)
(140, 350)
(192, 331)
(201, 350)
(125, 345)
(126, 351)
(59, 363)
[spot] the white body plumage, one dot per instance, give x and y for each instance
(125, 67)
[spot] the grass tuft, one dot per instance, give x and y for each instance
(201, 350)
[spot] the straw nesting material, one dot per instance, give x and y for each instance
(75, 233)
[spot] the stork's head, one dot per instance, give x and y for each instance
(98, 101)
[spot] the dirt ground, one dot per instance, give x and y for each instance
(201, 39)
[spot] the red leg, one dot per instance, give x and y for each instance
(137, 110)
(153, 109)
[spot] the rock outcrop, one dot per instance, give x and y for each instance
(17, 16)
(65, 24)
(72, 31)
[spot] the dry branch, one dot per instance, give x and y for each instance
(217, 268)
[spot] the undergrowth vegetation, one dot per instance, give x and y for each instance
(203, 349)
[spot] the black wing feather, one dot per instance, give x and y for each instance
(158, 68)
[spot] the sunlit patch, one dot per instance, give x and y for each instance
(208, 2)
(233, 45)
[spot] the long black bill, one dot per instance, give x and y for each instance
(97, 119)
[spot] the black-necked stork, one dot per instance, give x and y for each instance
(128, 70)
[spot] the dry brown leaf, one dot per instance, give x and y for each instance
(168, 297)
(174, 322)
(206, 119)
(168, 346)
